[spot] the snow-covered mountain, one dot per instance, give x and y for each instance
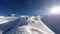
(53, 22)
(23, 25)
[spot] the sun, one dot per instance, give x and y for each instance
(55, 10)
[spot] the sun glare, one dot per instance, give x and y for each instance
(55, 10)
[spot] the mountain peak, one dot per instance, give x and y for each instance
(12, 15)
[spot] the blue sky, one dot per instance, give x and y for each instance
(25, 7)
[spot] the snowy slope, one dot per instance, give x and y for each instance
(53, 22)
(24, 25)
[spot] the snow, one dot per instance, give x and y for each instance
(21, 25)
